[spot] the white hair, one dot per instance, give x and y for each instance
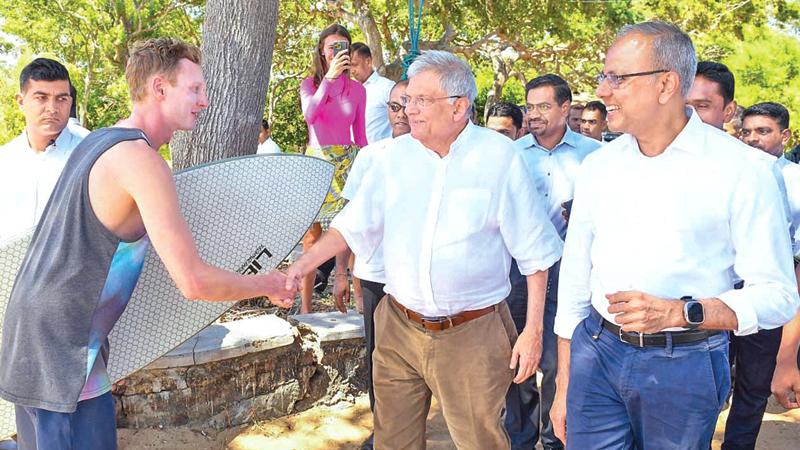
(455, 75)
(672, 49)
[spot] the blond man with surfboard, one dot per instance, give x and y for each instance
(115, 198)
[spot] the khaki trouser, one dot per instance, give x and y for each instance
(465, 367)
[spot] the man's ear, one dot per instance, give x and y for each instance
(669, 85)
(728, 111)
(18, 98)
(462, 107)
(157, 84)
(785, 136)
(566, 108)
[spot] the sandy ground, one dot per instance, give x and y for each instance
(345, 425)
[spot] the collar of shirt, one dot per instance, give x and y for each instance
(66, 140)
(373, 78)
(691, 138)
(569, 138)
(462, 140)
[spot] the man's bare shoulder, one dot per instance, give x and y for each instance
(134, 161)
(136, 153)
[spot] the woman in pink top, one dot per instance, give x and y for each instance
(333, 106)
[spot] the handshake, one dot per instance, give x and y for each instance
(281, 288)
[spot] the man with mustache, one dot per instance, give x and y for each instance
(32, 162)
(552, 153)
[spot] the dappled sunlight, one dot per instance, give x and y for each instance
(342, 426)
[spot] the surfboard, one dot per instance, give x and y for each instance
(246, 214)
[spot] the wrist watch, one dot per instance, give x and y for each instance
(693, 312)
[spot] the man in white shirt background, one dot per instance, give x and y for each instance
(31, 163)
(450, 204)
(765, 126)
(664, 217)
(753, 356)
(265, 143)
(378, 88)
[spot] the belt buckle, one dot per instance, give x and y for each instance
(437, 319)
(641, 338)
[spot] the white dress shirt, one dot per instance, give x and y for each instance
(376, 113)
(27, 179)
(76, 128)
(791, 178)
(449, 226)
(370, 269)
(681, 223)
(553, 171)
(268, 147)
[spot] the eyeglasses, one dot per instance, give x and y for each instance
(614, 80)
(395, 107)
(543, 108)
(423, 102)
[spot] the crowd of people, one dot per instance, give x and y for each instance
(636, 249)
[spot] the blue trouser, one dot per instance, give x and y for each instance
(625, 397)
(525, 407)
(754, 357)
(92, 426)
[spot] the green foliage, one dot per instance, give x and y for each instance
(92, 38)
(766, 64)
(756, 38)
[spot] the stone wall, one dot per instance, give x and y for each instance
(243, 371)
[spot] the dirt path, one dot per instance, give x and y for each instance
(345, 425)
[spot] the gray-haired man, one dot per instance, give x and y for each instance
(457, 206)
(664, 217)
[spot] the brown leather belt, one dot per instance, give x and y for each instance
(441, 323)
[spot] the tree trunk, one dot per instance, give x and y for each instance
(370, 29)
(237, 41)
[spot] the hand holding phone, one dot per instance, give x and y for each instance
(340, 61)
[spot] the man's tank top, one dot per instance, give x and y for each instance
(74, 284)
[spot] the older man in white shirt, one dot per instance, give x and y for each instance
(378, 89)
(31, 163)
(664, 219)
(450, 203)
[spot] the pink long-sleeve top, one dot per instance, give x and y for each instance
(332, 109)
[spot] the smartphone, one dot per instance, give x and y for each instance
(339, 46)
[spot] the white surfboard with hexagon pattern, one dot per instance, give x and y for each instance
(246, 214)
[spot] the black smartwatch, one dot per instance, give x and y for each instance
(693, 312)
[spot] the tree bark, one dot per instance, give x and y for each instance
(237, 41)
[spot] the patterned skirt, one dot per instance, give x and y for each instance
(342, 157)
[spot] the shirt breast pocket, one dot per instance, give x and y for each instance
(466, 212)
